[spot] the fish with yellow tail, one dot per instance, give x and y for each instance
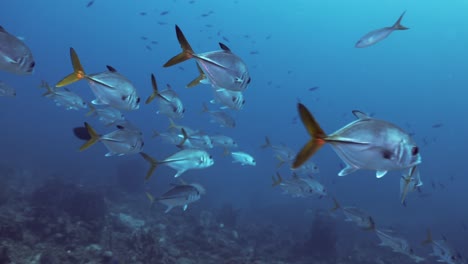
(378, 35)
(221, 68)
(364, 144)
(169, 102)
(110, 87)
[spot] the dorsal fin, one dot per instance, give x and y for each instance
(224, 47)
(2, 29)
(360, 115)
(111, 69)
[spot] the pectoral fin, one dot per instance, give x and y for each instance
(380, 174)
(347, 170)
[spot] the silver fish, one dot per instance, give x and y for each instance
(107, 115)
(221, 68)
(123, 141)
(228, 99)
(380, 34)
(398, 245)
(195, 140)
(176, 129)
(181, 161)
(300, 187)
(366, 143)
(410, 182)
(223, 141)
(171, 138)
(282, 152)
(308, 168)
(442, 250)
(243, 158)
(65, 98)
(7, 90)
(15, 56)
(110, 87)
(356, 215)
(220, 117)
(180, 195)
(168, 101)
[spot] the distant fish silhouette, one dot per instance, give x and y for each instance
(437, 125)
(315, 88)
(90, 3)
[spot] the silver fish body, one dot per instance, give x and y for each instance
(188, 159)
(181, 195)
(123, 142)
(410, 182)
(15, 56)
(398, 245)
(223, 141)
(228, 99)
(107, 115)
(113, 89)
(243, 158)
(170, 104)
(375, 36)
(222, 118)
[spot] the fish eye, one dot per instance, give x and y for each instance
(415, 151)
(138, 100)
(233, 98)
(32, 64)
(183, 110)
(211, 157)
(142, 144)
(248, 80)
(124, 97)
(243, 102)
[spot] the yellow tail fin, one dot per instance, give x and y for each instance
(318, 136)
(155, 90)
(92, 109)
(45, 85)
(267, 143)
(78, 72)
(336, 205)
(186, 53)
(280, 163)
(153, 163)
(201, 76)
(94, 137)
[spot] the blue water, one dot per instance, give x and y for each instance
(414, 78)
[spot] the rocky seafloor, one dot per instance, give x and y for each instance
(59, 222)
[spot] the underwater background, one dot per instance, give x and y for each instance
(60, 205)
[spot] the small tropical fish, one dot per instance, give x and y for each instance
(398, 245)
(110, 87)
(180, 195)
(123, 141)
(243, 158)
(380, 34)
(223, 141)
(442, 250)
(222, 68)
(7, 90)
(409, 183)
(220, 117)
(65, 98)
(181, 161)
(356, 215)
(168, 101)
(366, 143)
(15, 56)
(108, 115)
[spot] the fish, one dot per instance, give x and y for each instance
(228, 99)
(442, 250)
(125, 140)
(186, 159)
(179, 195)
(15, 55)
(163, 13)
(223, 69)
(355, 215)
(168, 101)
(299, 186)
(110, 87)
(90, 3)
(108, 115)
(409, 182)
(366, 143)
(143, 13)
(308, 168)
(437, 125)
(375, 36)
(171, 138)
(398, 245)
(7, 90)
(223, 141)
(243, 158)
(282, 152)
(65, 98)
(312, 89)
(220, 117)
(195, 140)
